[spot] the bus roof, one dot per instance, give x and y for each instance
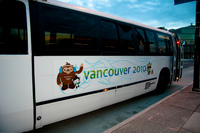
(94, 12)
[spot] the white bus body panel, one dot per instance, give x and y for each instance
(16, 93)
(16, 98)
(47, 69)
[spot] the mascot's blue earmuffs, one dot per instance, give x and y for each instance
(60, 70)
(74, 69)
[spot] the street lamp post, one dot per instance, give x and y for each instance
(196, 79)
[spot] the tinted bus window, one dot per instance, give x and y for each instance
(141, 40)
(68, 31)
(163, 43)
(151, 41)
(126, 39)
(13, 32)
(109, 37)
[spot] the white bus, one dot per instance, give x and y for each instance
(59, 61)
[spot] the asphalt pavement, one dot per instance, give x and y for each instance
(177, 113)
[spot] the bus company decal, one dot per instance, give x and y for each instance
(67, 77)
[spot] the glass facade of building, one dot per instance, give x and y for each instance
(187, 34)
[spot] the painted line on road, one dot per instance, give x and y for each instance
(144, 111)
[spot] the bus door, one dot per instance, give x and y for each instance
(16, 94)
(178, 62)
(182, 57)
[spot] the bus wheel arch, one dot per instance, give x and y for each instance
(163, 80)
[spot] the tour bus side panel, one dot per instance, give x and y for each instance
(52, 102)
(16, 104)
(99, 76)
(49, 95)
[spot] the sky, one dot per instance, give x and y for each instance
(156, 13)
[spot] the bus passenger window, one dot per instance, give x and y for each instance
(151, 41)
(169, 46)
(69, 32)
(163, 43)
(109, 37)
(126, 39)
(141, 40)
(47, 38)
(13, 32)
(161, 47)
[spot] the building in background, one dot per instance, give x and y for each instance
(187, 34)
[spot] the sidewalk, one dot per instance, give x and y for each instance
(177, 113)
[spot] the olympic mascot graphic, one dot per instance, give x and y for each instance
(149, 71)
(67, 77)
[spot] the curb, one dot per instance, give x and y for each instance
(144, 111)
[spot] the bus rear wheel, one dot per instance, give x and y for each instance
(163, 81)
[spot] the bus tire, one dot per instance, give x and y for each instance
(163, 81)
